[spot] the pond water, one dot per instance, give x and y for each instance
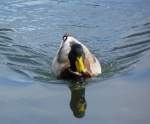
(116, 31)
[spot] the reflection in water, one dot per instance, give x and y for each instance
(34, 64)
(125, 56)
(78, 102)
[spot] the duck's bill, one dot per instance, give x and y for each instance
(81, 107)
(80, 65)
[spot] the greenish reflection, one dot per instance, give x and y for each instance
(78, 103)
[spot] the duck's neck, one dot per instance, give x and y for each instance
(73, 67)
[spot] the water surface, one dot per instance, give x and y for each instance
(116, 31)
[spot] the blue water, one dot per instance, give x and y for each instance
(116, 31)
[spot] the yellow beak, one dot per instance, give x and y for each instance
(81, 108)
(80, 65)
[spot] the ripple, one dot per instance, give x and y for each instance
(132, 44)
(24, 60)
(5, 29)
(132, 48)
(35, 64)
(28, 3)
(138, 34)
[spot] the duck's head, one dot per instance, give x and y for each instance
(76, 54)
(76, 58)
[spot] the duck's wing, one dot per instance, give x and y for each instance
(58, 67)
(60, 62)
(91, 62)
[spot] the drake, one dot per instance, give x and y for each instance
(74, 60)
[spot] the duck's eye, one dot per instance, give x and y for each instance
(66, 36)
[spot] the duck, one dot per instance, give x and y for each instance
(74, 60)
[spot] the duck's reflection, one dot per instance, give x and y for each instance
(78, 103)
